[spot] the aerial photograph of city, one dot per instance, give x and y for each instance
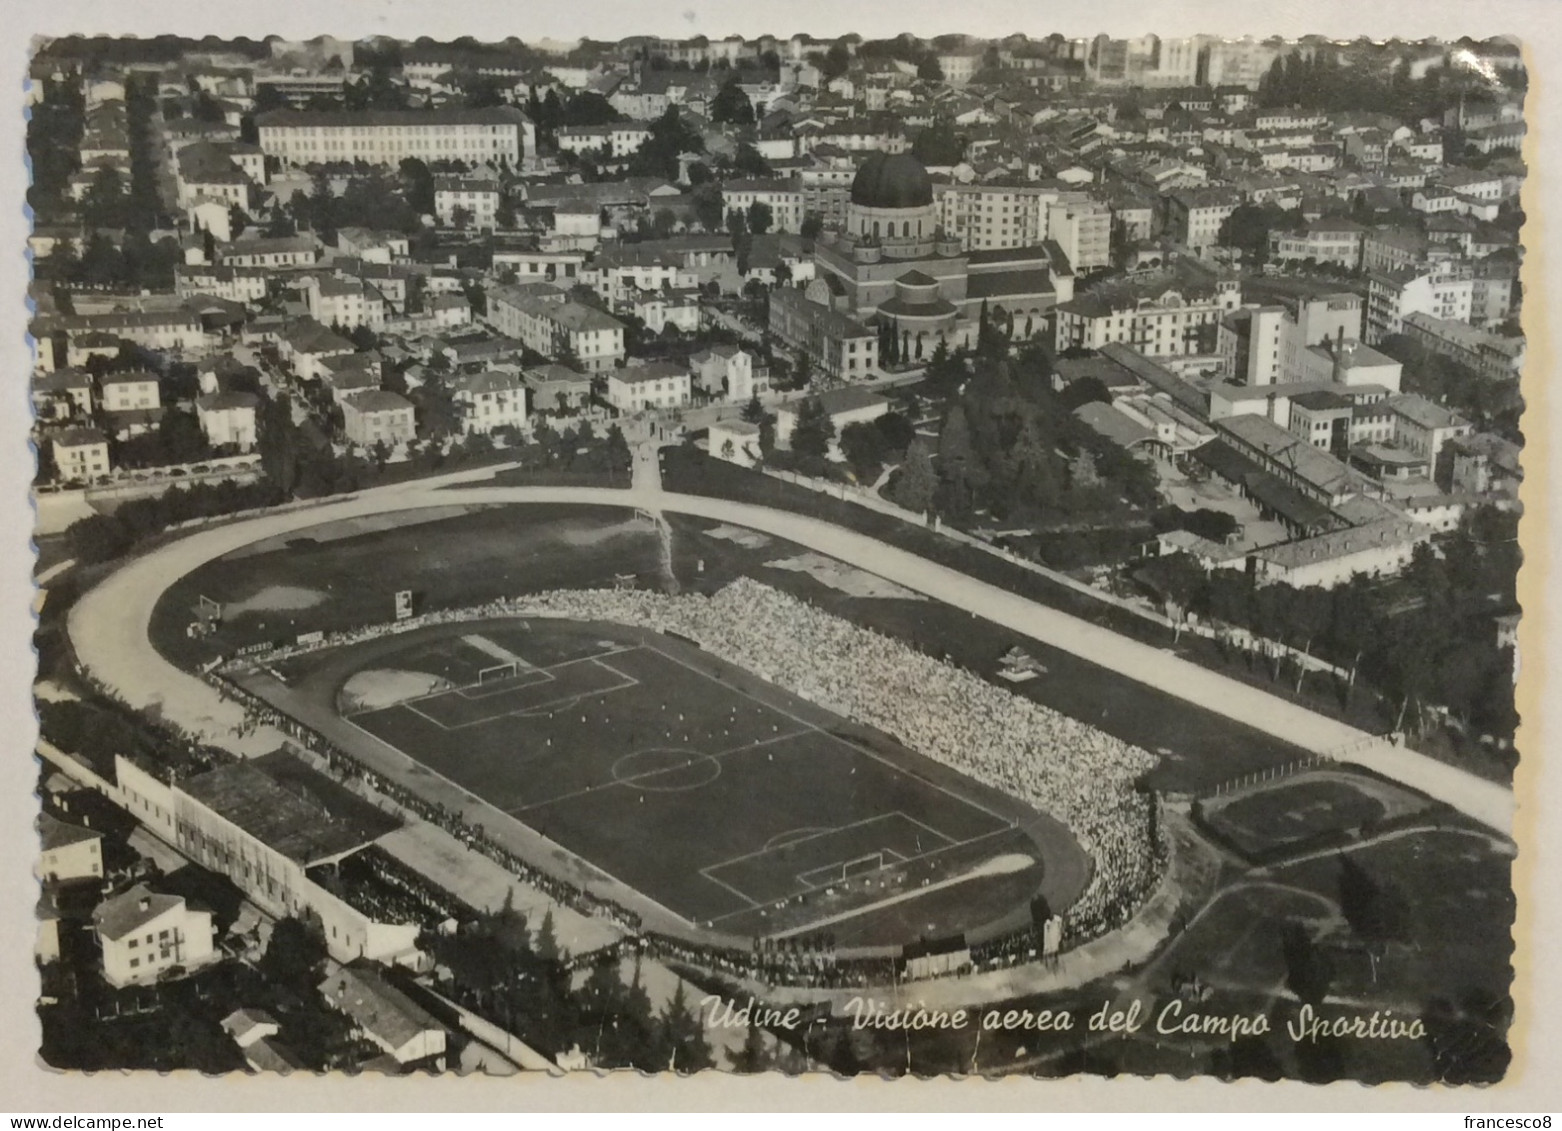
(888, 554)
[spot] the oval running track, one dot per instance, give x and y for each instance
(109, 626)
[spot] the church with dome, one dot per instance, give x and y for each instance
(892, 265)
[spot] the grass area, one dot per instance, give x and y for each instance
(716, 794)
(333, 576)
(1293, 813)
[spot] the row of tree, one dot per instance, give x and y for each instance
(520, 979)
(1424, 640)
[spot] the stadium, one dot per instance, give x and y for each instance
(737, 749)
(708, 761)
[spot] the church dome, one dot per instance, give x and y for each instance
(896, 180)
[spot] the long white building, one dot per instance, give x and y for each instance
(387, 137)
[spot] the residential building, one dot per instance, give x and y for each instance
(1194, 216)
(679, 309)
(1422, 427)
(377, 416)
(145, 935)
(496, 136)
(996, 215)
(348, 303)
(232, 284)
(370, 245)
(1484, 464)
(306, 344)
(532, 265)
(80, 455)
(844, 406)
(1163, 315)
(616, 139)
(836, 342)
(466, 202)
(1490, 355)
(1394, 295)
(228, 419)
(729, 373)
(491, 399)
(558, 328)
(167, 331)
(1083, 229)
(1330, 240)
(67, 852)
(279, 252)
(62, 394)
(128, 391)
(655, 385)
(784, 198)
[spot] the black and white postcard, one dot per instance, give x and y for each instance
(715, 548)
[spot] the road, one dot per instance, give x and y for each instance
(109, 625)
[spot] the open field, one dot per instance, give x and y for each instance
(1295, 811)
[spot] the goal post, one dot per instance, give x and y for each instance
(868, 862)
(208, 609)
(499, 671)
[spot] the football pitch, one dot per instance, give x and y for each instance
(725, 800)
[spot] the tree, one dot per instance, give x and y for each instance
(835, 62)
(1247, 229)
(97, 538)
(812, 433)
(749, 162)
(753, 1057)
(619, 457)
(760, 217)
(1375, 913)
(709, 208)
(915, 486)
(731, 106)
(1308, 970)
(865, 449)
(959, 468)
(812, 226)
(897, 430)
(938, 144)
(417, 185)
(294, 956)
(107, 203)
(682, 1034)
(929, 69)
